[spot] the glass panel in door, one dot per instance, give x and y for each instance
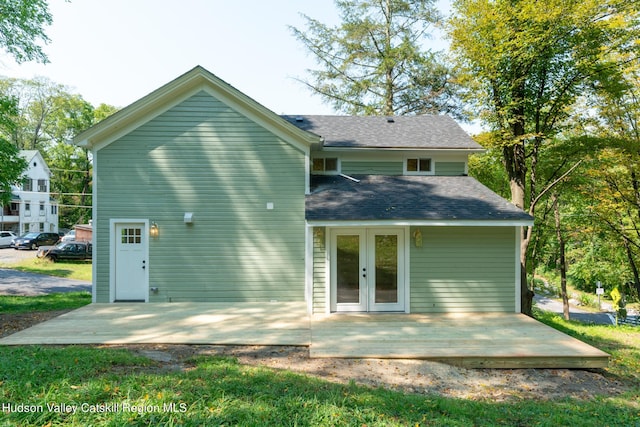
(386, 265)
(348, 269)
(386, 283)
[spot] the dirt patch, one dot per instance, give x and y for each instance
(12, 323)
(412, 376)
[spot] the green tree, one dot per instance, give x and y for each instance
(40, 102)
(376, 62)
(22, 24)
(524, 64)
(71, 165)
(612, 187)
(48, 116)
(12, 164)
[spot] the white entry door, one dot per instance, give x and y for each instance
(130, 260)
(367, 270)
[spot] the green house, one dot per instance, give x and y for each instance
(202, 194)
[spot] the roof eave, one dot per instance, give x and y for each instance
(391, 148)
(422, 223)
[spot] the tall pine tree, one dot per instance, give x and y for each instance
(376, 62)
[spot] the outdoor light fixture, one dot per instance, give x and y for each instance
(153, 230)
(318, 233)
(417, 235)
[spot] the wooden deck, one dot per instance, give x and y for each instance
(495, 340)
(478, 340)
(173, 323)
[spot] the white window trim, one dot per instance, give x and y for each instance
(326, 172)
(429, 172)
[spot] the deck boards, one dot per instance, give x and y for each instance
(474, 340)
(173, 323)
(502, 340)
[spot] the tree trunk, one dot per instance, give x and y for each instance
(634, 267)
(389, 89)
(562, 261)
(526, 294)
(514, 161)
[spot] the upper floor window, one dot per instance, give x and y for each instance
(27, 185)
(418, 166)
(324, 165)
(41, 210)
(42, 185)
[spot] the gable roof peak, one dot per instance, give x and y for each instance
(168, 95)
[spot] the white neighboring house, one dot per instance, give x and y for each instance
(31, 207)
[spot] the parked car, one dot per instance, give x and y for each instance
(6, 237)
(66, 251)
(34, 240)
(69, 236)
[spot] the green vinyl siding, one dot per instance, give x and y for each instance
(450, 168)
(319, 270)
(372, 168)
(203, 157)
(463, 269)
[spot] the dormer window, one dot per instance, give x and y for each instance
(418, 166)
(325, 165)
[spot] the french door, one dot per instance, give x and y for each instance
(367, 270)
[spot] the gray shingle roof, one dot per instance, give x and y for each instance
(421, 132)
(375, 197)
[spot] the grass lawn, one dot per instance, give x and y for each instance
(79, 270)
(112, 387)
(50, 302)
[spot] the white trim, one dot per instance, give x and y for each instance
(94, 233)
(253, 114)
(307, 172)
(308, 267)
(329, 148)
(149, 116)
(112, 253)
(518, 280)
(407, 269)
(327, 270)
(421, 223)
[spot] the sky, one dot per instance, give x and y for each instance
(117, 51)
